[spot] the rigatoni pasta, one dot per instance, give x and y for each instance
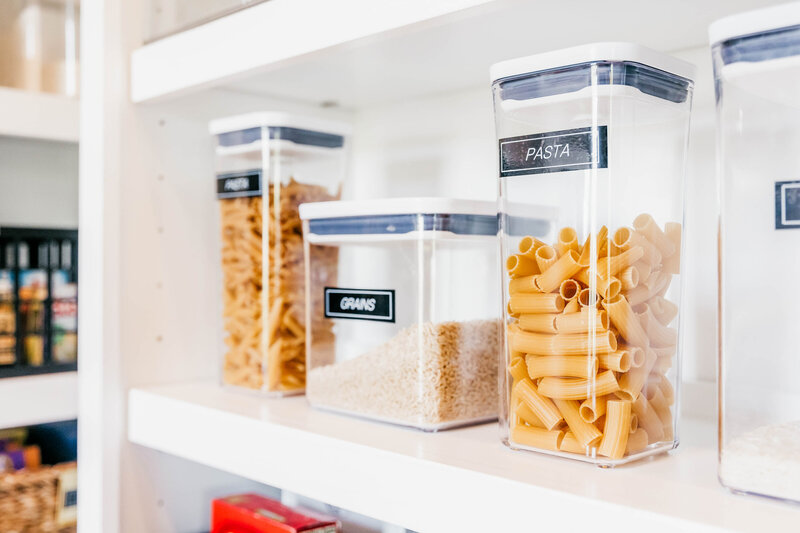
(598, 336)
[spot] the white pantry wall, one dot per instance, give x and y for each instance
(444, 145)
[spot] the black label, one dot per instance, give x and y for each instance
(787, 205)
(239, 184)
(555, 151)
(359, 304)
(71, 498)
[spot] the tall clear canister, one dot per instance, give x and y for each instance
(598, 134)
(757, 73)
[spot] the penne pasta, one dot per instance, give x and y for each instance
(519, 266)
(659, 334)
(511, 313)
(577, 366)
(643, 292)
(625, 320)
(567, 240)
(536, 303)
(570, 444)
(578, 388)
(672, 264)
(644, 269)
(619, 361)
(584, 321)
(584, 432)
(563, 344)
(593, 408)
(611, 266)
(523, 284)
(537, 437)
(617, 429)
(629, 278)
(637, 441)
(524, 413)
(649, 420)
(529, 245)
(544, 408)
(593, 249)
(587, 298)
(564, 268)
(656, 399)
(518, 369)
(538, 323)
(546, 257)
(569, 289)
(645, 225)
(626, 238)
(631, 383)
(572, 306)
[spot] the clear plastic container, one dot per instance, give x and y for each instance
(290, 160)
(757, 70)
(599, 134)
(407, 328)
(39, 45)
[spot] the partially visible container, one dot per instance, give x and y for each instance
(284, 160)
(757, 73)
(39, 45)
(170, 16)
(599, 133)
(407, 327)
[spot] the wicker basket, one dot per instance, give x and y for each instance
(30, 500)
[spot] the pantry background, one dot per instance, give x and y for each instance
(413, 80)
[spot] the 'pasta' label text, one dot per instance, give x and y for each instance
(555, 151)
(239, 184)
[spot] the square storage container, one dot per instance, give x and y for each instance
(290, 160)
(597, 133)
(407, 328)
(757, 73)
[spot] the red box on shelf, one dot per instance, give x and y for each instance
(251, 513)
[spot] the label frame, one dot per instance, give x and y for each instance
(247, 193)
(599, 159)
(348, 316)
(781, 222)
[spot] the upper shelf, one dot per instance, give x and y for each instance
(38, 399)
(36, 115)
(361, 52)
(459, 480)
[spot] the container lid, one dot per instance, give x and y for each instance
(397, 206)
(754, 22)
(591, 53)
(275, 119)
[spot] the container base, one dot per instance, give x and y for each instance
(262, 393)
(428, 428)
(599, 461)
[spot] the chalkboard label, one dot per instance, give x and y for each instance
(359, 304)
(239, 184)
(555, 151)
(787, 205)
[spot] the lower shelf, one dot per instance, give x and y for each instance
(458, 480)
(29, 400)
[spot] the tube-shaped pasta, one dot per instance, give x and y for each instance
(536, 303)
(667, 390)
(663, 365)
(619, 361)
(520, 266)
(649, 420)
(606, 287)
(564, 268)
(644, 269)
(567, 240)
(588, 319)
(669, 430)
(634, 422)
(511, 313)
(569, 289)
(625, 320)
(587, 298)
(659, 334)
(643, 292)
(578, 388)
(617, 429)
(647, 226)
(665, 351)
(523, 284)
(626, 238)
(570, 444)
(629, 278)
(518, 369)
(524, 413)
(593, 408)
(537, 437)
(538, 323)
(528, 246)
(600, 423)
(657, 400)
(544, 408)
(611, 265)
(576, 366)
(572, 306)
(592, 249)
(637, 441)
(672, 264)
(545, 257)
(585, 432)
(631, 383)
(563, 344)
(664, 310)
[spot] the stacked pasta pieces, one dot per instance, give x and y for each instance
(590, 340)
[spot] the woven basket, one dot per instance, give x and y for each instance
(29, 501)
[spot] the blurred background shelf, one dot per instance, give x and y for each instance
(38, 399)
(333, 458)
(38, 116)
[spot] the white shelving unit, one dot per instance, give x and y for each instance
(38, 116)
(38, 399)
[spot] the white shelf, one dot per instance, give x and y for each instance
(39, 399)
(360, 52)
(39, 116)
(460, 480)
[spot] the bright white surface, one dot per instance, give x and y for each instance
(40, 399)
(608, 51)
(755, 21)
(36, 115)
(385, 471)
(397, 206)
(361, 53)
(277, 119)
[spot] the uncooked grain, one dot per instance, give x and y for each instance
(426, 375)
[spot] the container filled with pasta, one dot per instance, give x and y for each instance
(407, 328)
(267, 164)
(599, 134)
(757, 70)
